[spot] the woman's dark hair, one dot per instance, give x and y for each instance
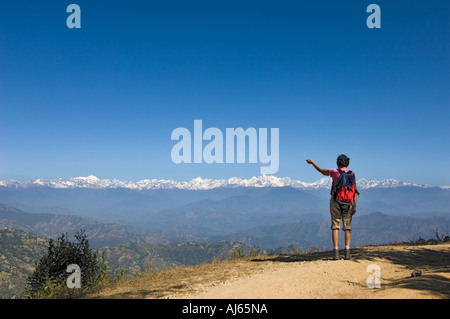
(342, 161)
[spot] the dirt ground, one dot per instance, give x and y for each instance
(304, 276)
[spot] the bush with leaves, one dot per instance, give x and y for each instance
(50, 276)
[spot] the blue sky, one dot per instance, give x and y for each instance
(104, 99)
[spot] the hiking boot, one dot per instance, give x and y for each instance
(335, 254)
(347, 254)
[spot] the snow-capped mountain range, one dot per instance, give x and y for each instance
(198, 183)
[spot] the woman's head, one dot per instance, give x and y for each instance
(342, 161)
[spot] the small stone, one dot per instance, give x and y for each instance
(416, 273)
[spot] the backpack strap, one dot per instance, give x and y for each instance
(333, 187)
(356, 190)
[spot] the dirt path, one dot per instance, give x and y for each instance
(308, 276)
(290, 277)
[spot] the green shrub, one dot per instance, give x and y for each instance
(49, 279)
(237, 253)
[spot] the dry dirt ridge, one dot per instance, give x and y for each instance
(304, 276)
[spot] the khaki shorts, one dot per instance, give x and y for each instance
(337, 214)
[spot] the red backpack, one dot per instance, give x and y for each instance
(344, 190)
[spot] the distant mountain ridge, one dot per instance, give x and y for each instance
(53, 225)
(204, 207)
(212, 224)
(92, 182)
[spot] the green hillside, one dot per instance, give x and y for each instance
(18, 252)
